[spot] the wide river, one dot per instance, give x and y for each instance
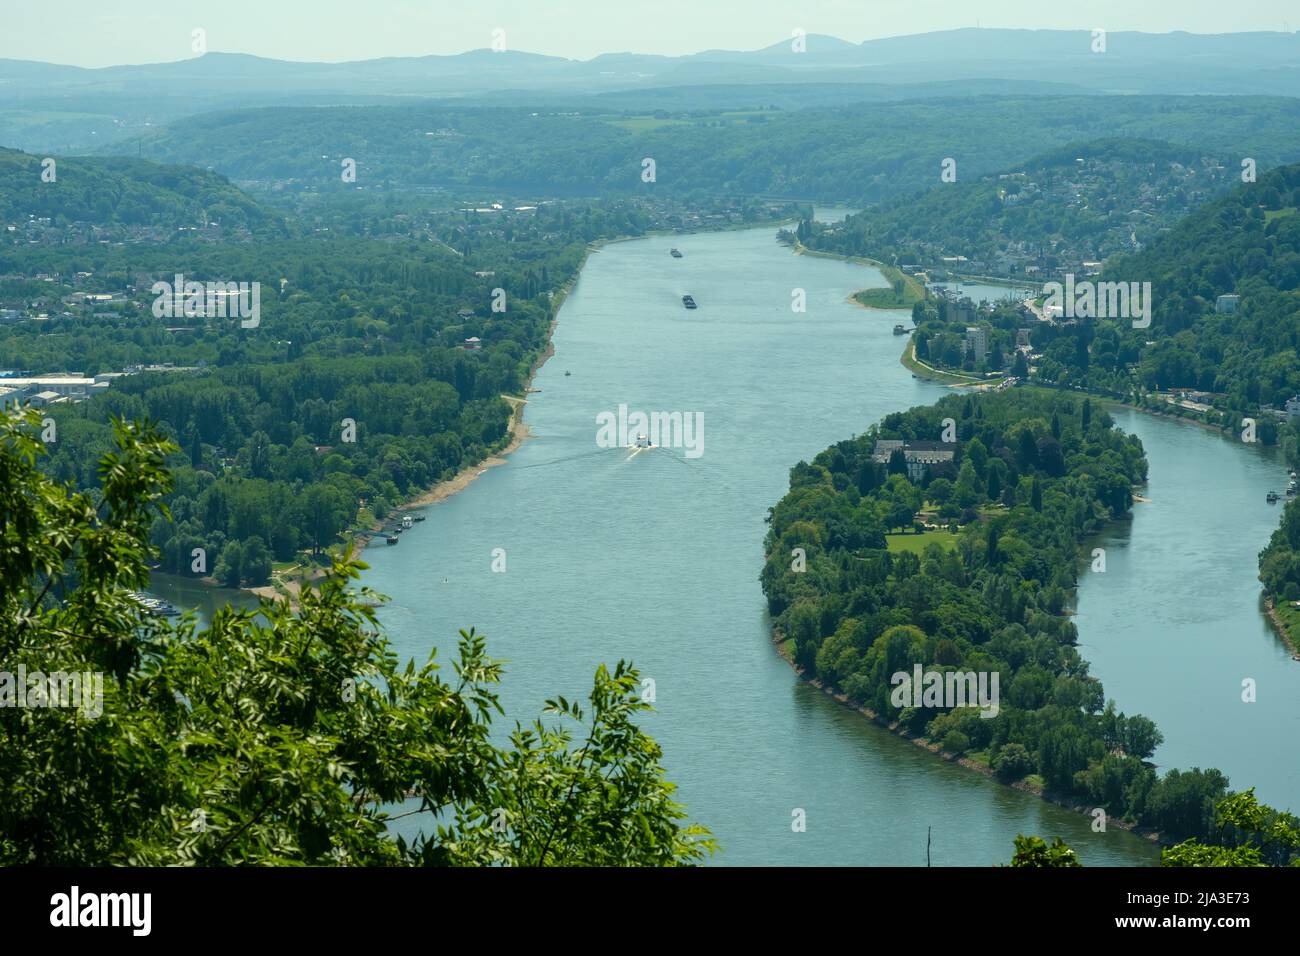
(655, 558)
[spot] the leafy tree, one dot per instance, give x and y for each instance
(230, 565)
(1012, 762)
(1249, 834)
(1032, 851)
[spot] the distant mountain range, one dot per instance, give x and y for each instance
(44, 105)
(1264, 63)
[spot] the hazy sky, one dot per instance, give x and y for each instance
(105, 32)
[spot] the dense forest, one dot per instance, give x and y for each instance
(353, 392)
(360, 333)
(1032, 475)
(861, 153)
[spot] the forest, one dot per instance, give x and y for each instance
(858, 154)
(119, 191)
(353, 393)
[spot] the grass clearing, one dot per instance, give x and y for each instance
(917, 543)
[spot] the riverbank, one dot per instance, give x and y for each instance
(1284, 620)
(894, 727)
(881, 299)
(517, 430)
(918, 368)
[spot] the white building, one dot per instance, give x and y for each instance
(977, 339)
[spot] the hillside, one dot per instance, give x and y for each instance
(863, 153)
(1246, 243)
(119, 194)
(1084, 201)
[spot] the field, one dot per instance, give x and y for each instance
(917, 543)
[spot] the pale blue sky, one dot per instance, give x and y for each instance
(106, 32)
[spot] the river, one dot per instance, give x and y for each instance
(1174, 625)
(656, 558)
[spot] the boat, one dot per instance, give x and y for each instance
(689, 302)
(568, 373)
(641, 441)
(406, 522)
(391, 539)
(899, 330)
(418, 517)
(675, 253)
(155, 606)
(1272, 497)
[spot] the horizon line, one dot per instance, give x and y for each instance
(665, 56)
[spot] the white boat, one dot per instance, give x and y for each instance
(641, 441)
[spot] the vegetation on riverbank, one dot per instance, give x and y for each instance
(903, 291)
(1245, 832)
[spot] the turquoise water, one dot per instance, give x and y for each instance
(1173, 626)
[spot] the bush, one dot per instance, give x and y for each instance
(1012, 762)
(955, 742)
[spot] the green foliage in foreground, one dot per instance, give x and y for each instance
(1032, 851)
(278, 736)
(1249, 834)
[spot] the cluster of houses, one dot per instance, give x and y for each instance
(62, 388)
(1178, 188)
(44, 231)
